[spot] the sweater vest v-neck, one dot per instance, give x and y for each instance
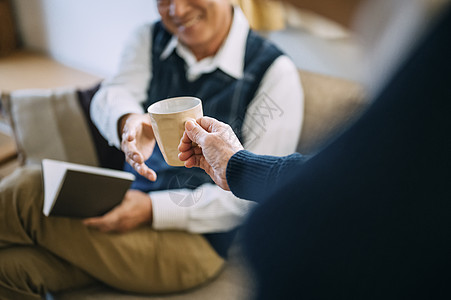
(223, 97)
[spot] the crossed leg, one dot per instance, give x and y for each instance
(30, 271)
(143, 260)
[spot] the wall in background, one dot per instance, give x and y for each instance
(89, 35)
(84, 34)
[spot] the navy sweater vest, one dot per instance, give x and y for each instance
(223, 97)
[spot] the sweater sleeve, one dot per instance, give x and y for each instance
(251, 176)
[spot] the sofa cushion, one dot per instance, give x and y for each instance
(43, 125)
(49, 124)
(330, 104)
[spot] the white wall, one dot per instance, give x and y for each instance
(89, 35)
(84, 34)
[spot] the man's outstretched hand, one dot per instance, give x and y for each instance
(138, 142)
(216, 143)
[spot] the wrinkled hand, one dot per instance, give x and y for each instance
(135, 210)
(138, 142)
(216, 143)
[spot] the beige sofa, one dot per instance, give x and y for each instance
(40, 118)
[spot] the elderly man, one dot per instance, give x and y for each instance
(151, 243)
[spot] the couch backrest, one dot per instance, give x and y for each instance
(49, 124)
(330, 104)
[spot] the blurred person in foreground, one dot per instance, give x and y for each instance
(368, 217)
(172, 234)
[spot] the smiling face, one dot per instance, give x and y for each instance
(201, 25)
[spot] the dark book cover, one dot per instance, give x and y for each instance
(72, 190)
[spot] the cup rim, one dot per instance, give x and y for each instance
(198, 102)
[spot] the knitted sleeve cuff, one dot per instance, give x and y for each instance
(252, 177)
(245, 171)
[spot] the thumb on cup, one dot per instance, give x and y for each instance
(195, 132)
(190, 124)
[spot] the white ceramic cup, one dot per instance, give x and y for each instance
(168, 119)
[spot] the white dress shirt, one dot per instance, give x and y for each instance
(271, 126)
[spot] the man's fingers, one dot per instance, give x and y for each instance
(128, 134)
(186, 154)
(185, 143)
(207, 123)
(92, 222)
(193, 161)
(197, 150)
(102, 224)
(142, 169)
(145, 171)
(131, 152)
(135, 157)
(106, 223)
(185, 139)
(150, 174)
(190, 162)
(195, 132)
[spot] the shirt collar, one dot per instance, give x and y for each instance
(229, 58)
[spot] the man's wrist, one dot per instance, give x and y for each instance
(121, 124)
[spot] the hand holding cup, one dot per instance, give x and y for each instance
(168, 118)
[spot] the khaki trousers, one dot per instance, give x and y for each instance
(41, 254)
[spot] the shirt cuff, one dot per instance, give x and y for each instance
(118, 104)
(113, 136)
(167, 214)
